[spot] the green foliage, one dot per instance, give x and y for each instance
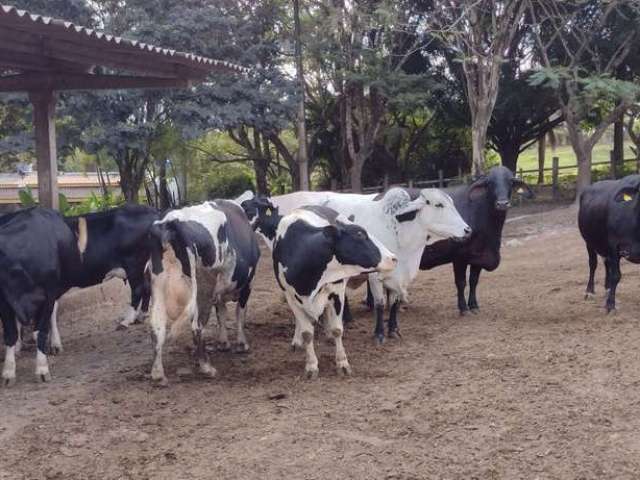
(229, 183)
(27, 198)
(95, 203)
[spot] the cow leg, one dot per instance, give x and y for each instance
(614, 278)
(335, 327)
(394, 301)
(347, 317)
(306, 331)
(368, 301)
(460, 273)
(377, 290)
(223, 343)
(44, 323)
(474, 277)
(10, 327)
(56, 342)
(19, 336)
(133, 313)
(593, 264)
(197, 327)
(242, 345)
(158, 323)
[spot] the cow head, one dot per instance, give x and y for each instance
(440, 217)
(263, 217)
(626, 202)
(497, 186)
(353, 246)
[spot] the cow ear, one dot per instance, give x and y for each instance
(19, 290)
(331, 232)
(522, 188)
(410, 210)
(625, 194)
(478, 188)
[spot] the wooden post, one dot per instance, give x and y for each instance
(612, 161)
(542, 148)
(440, 179)
(555, 190)
(411, 183)
(44, 103)
(385, 182)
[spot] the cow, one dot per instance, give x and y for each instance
(404, 221)
(201, 257)
(609, 222)
(483, 205)
(315, 252)
(39, 255)
(115, 244)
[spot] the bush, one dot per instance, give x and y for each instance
(229, 184)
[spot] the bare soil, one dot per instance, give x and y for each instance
(540, 385)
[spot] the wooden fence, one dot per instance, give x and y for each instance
(532, 176)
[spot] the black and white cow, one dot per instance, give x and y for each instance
(202, 256)
(483, 205)
(609, 221)
(315, 252)
(38, 255)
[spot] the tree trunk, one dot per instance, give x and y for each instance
(479, 125)
(356, 174)
(129, 191)
(163, 189)
(583, 154)
(509, 156)
(618, 143)
(542, 150)
(302, 157)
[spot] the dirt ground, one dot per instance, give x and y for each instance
(540, 385)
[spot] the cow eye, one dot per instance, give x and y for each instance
(362, 234)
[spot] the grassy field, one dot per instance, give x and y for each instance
(528, 159)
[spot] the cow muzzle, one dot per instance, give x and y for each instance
(387, 264)
(467, 235)
(503, 205)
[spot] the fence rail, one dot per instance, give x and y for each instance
(614, 170)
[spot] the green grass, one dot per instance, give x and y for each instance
(528, 159)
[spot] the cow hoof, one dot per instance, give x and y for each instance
(55, 349)
(296, 346)
(344, 370)
(475, 310)
(45, 377)
(464, 313)
(611, 310)
(240, 348)
(121, 327)
(207, 370)
(378, 339)
(8, 382)
(161, 382)
(589, 295)
(395, 334)
(223, 346)
(311, 373)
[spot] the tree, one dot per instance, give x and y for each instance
(580, 46)
(481, 32)
(303, 159)
(522, 115)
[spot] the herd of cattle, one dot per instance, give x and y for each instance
(183, 263)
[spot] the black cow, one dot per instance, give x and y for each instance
(38, 255)
(115, 243)
(202, 256)
(609, 221)
(483, 205)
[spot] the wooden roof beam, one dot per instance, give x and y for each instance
(37, 81)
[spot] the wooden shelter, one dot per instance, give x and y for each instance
(45, 55)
